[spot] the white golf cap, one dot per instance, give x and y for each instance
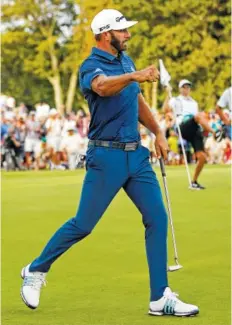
(184, 82)
(110, 19)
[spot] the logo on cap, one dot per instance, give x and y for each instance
(119, 18)
(104, 27)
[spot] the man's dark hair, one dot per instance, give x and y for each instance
(97, 37)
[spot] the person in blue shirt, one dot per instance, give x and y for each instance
(115, 159)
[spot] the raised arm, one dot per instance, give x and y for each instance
(110, 86)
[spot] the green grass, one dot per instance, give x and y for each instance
(103, 280)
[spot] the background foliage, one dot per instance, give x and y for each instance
(44, 42)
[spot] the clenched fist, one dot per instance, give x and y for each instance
(148, 74)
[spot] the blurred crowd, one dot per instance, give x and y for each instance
(40, 138)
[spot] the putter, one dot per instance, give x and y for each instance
(181, 142)
(176, 267)
(165, 79)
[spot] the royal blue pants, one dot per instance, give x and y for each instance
(108, 170)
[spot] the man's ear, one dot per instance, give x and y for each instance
(106, 36)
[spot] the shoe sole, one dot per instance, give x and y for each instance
(160, 313)
(25, 302)
(21, 293)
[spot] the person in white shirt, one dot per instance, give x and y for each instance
(3, 100)
(190, 119)
(225, 101)
(71, 145)
(214, 150)
(10, 115)
(69, 123)
(145, 138)
(54, 127)
(32, 137)
(42, 111)
(10, 102)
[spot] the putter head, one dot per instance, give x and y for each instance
(173, 268)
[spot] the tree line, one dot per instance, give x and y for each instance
(45, 41)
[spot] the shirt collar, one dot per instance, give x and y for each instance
(105, 54)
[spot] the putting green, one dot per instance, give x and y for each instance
(103, 280)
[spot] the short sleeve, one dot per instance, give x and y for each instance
(87, 74)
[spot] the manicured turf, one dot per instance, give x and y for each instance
(103, 280)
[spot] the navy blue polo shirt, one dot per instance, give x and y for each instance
(113, 118)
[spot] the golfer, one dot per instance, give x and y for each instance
(191, 122)
(115, 159)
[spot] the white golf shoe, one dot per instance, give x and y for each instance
(32, 284)
(169, 304)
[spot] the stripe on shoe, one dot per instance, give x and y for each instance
(169, 307)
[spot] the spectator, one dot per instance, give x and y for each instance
(21, 110)
(173, 155)
(225, 101)
(42, 155)
(10, 114)
(72, 145)
(42, 111)
(10, 103)
(12, 150)
(32, 138)
(3, 99)
(54, 130)
(82, 123)
(214, 150)
(69, 123)
(4, 126)
(147, 141)
(21, 130)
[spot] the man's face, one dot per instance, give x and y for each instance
(185, 90)
(119, 39)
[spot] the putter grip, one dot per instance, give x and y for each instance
(162, 166)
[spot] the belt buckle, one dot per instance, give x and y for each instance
(130, 146)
